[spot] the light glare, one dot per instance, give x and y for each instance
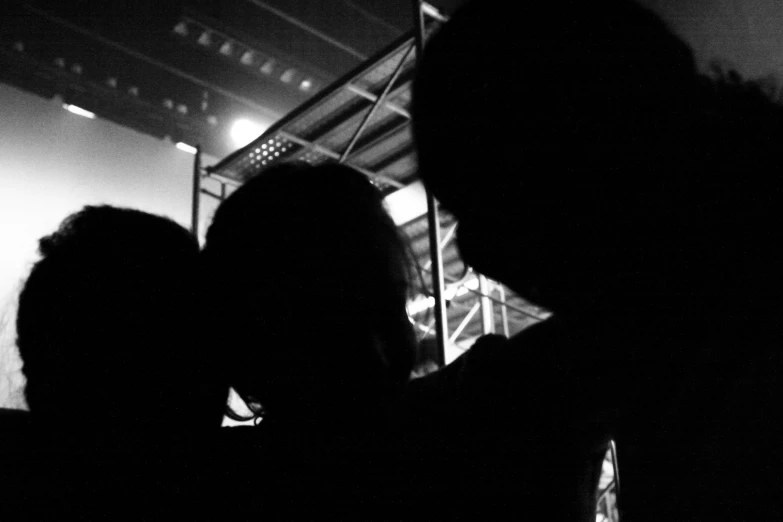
(187, 148)
(78, 110)
(245, 131)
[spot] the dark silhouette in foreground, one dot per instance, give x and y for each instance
(311, 310)
(598, 174)
(121, 400)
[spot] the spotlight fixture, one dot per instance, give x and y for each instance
(182, 108)
(76, 68)
(227, 49)
(205, 39)
(111, 81)
(306, 85)
(187, 148)
(244, 131)
(79, 111)
(19, 47)
(247, 58)
(268, 67)
(60, 62)
(133, 90)
(168, 103)
(181, 29)
(287, 75)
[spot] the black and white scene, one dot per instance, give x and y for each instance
(391, 260)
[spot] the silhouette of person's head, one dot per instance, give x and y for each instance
(313, 287)
(557, 136)
(105, 328)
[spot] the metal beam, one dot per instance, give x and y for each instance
(445, 241)
(441, 327)
(211, 194)
(195, 201)
(374, 108)
(492, 298)
(364, 93)
(312, 30)
(335, 156)
(465, 322)
(223, 179)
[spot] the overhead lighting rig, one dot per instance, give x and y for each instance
(246, 56)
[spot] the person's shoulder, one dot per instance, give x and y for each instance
(14, 418)
(15, 430)
(493, 356)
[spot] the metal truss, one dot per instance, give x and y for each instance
(606, 509)
(363, 121)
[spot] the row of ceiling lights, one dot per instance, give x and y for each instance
(242, 131)
(113, 82)
(245, 55)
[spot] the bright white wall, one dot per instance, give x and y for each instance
(52, 163)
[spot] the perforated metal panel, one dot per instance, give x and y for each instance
(323, 128)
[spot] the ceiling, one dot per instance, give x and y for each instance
(187, 69)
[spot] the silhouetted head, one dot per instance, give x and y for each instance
(541, 131)
(313, 282)
(105, 327)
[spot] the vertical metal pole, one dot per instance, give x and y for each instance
(441, 327)
(223, 191)
(616, 470)
(503, 309)
(418, 26)
(196, 192)
(487, 313)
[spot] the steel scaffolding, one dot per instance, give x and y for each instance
(363, 121)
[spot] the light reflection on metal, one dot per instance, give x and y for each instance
(487, 311)
(503, 310)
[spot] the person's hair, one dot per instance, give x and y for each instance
(103, 325)
(313, 282)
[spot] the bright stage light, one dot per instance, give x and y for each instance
(245, 131)
(187, 148)
(78, 110)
